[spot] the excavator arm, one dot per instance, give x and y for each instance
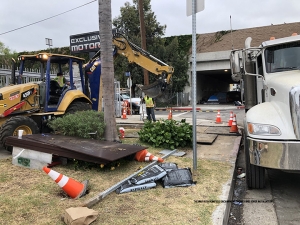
(137, 55)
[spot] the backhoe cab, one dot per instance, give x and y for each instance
(28, 104)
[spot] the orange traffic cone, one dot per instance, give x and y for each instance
(234, 128)
(72, 187)
(230, 119)
(218, 119)
(145, 156)
(170, 114)
(124, 115)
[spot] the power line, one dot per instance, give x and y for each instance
(47, 18)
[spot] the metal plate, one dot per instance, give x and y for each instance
(220, 131)
(74, 147)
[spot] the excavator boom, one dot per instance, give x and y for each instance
(137, 55)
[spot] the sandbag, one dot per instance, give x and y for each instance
(178, 178)
(168, 166)
(129, 187)
(152, 174)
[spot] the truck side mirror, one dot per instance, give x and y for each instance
(235, 66)
(235, 62)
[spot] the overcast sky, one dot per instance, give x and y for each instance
(215, 17)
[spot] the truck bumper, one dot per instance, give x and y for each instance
(274, 154)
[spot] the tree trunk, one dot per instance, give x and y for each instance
(107, 69)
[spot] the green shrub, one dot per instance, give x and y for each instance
(80, 124)
(168, 134)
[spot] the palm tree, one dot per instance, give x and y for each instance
(107, 69)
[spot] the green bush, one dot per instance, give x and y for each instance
(168, 134)
(80, 124)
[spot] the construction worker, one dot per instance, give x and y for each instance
(60, 79)
(149, 108)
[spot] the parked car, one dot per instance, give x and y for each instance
(224, 97)
(136, 102)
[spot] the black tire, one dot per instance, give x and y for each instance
(78, 106)
(255, 175)
(15, 123)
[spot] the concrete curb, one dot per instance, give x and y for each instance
(221, 215)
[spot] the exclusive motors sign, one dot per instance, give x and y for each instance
(87, 42)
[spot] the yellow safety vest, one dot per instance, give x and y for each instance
(149, 102)
(60, 80)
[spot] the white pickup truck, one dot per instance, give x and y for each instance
(136, 102)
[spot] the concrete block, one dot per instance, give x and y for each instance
(30, 159)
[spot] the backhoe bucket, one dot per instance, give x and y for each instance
(153, 90)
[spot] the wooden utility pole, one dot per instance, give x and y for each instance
(143, 37)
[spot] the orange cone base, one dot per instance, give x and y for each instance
(74, 189)
(83, 191)
(234, 129)
(218, 120)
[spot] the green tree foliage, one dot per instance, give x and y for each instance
(6, 55)
(167, 50)
(168, 134)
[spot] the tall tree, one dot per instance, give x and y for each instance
(6, 54)
(168, 50)
(107, 69)
(129, 24)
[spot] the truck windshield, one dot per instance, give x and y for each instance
(125, 96)
(283, 57)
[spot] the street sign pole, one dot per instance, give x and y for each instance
(129, 84)
(197, 6)
(130, 81)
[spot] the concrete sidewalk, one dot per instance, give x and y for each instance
(225, 148)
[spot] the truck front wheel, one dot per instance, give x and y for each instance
(255, 175)
(15, 123)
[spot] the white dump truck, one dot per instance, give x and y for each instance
(270, 78)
